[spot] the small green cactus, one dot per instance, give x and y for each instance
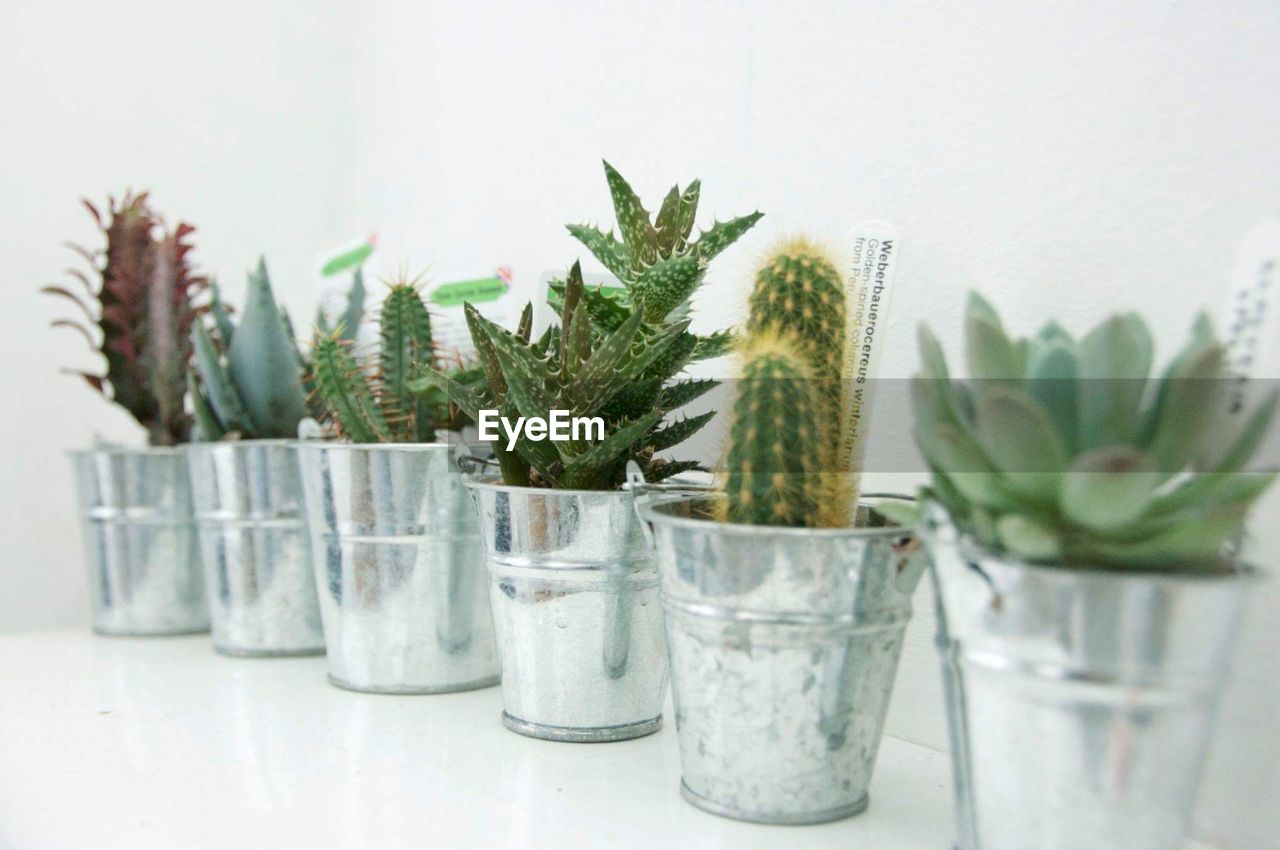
(145, 307)
(773, 472)
(799, 291)
(1068, 452)
(375, 403)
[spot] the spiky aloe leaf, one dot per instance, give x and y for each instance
(633, 220)
(607, 368)
(347, 396)
(682, 392)
(711, 345)
(263, 363)
(676, 217)
(607, 307)
(723, 234)
(667, 284)
(1190, 395)
(586, 470)
(611, 253)
(677, 432)
(660, 469)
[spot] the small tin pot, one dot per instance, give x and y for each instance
(397, 568)
(574, 591)
(1080, 701)
(784, 648)
(140, 541)
(254, 547)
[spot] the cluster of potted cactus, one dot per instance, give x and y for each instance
(1081, 522)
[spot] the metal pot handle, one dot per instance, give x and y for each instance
(646, 492)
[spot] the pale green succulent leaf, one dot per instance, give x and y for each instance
(1190, 398)
(1027, 537)
(1018, 436)
(1224, 450)
(1052, 371)
(1115, 359)
(1108, 488)
(208, 428)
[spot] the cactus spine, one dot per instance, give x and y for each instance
(784, 464)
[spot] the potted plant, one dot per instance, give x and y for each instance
(393, 534)
(1082, 531)
(135, 503)
(247, 390)
(785, 602)
(573, 585)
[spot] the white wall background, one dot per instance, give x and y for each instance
(1068, 159)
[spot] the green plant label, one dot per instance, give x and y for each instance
(475, 291)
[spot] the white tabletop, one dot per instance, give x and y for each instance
(140, 743)
(159, 743)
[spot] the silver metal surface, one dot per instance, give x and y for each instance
(1080, 702)
(398, 568)
(140, 542)
(784, 648)
(574, 592)
(254, 548)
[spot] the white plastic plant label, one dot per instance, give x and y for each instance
(869, 286)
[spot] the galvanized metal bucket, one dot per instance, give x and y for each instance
(254, 547)
(784, 648)
(398, 568)
(574, 591)
(1080, 702)
(140, 542)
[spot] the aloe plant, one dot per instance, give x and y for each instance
(146, 296)
(1067, 451)
(371, 402)
(615, 355)
(658, 260)
(625, 377)
(253, 387)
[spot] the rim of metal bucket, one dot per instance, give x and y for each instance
(130, 450)
(284, 442)
(649, 513)
(488, 481)
(346, 445)
(975, 554)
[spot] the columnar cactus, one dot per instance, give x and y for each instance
(146, 308)
(773, 473)
(375, 403)
(799, 291)
(784, 464)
